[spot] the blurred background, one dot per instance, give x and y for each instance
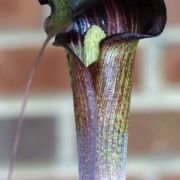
(47, 147)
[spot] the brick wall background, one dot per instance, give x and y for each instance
(47, 148)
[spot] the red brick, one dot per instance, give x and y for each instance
(52, 73)
(154, 133)
(172, 64)
(20, 13)
(15, 66)
(173, 12)
(171, 178)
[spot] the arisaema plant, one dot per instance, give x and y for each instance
(101, 38)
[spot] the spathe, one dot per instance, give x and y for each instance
(102, 88)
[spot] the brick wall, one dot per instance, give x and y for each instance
(154, 124)
(21, 16)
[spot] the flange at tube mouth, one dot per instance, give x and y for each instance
(120, 20)
(144, 18)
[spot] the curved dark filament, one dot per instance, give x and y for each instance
(22, 110)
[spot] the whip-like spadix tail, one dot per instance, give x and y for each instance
(22, 110)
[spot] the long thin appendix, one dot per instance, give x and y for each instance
(23, 107)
